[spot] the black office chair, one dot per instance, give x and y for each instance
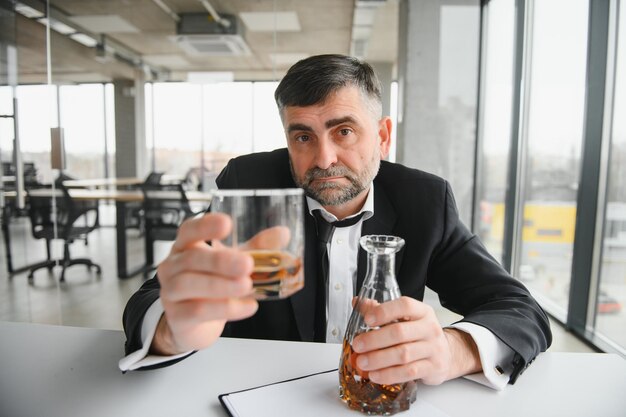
(70, 225)
(193, 179)
(153, 178)
(165, 207)
(8, 168)
(31, 176)
(135, 211)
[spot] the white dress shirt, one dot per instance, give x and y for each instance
(495, 355)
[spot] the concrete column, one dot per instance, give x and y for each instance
(438, 84)
(130, 142)
(142, 159)
(384, 70)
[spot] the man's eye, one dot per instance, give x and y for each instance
(345, 132)
(302, 138)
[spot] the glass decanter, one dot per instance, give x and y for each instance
(380, 286)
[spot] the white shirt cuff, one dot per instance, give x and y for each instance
(140, 358)
(495, 356)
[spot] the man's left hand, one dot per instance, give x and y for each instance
(410, 344)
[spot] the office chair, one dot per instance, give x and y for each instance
(30, 176)
(165, 207)
(153, 178)
(135, 211)
(69, 212)
(8, 168)
(193, 180)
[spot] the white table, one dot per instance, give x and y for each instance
(63, 371)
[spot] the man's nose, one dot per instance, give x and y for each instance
(326, 155)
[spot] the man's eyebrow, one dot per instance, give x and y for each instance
(336, 122)
(328, 124)
(299, 126)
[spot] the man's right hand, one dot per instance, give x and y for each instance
(202, 287)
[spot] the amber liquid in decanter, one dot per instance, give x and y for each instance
(355, 387)
(368, 397)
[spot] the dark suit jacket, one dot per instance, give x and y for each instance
(439, 253)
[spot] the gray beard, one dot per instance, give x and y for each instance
(331, 194)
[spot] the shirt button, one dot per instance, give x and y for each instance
(338, 287)
(339, 241)
(334, 332)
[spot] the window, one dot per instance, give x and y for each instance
(176, 126)
(495, 123)
(83, 122)
(456, 102)
(611, 301)
(268, 129)
(37, 113)
(554, 138)
(220, 120)
(228, 119)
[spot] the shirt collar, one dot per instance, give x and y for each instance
(368, 207)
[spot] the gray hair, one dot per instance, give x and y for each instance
(311, 80)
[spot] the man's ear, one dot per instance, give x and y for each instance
(384, 136)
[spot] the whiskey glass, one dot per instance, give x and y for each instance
(269, 225)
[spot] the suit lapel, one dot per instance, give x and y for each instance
(303, 302)
(381, 223)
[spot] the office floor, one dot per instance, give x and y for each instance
(88, 300)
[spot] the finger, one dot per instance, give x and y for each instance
(208, 227)
(393, 334)
(364, 305)
(395, 355)
(201, 258)
(200, 311)
(401, 309)
(401, 373)
(276, 237)
(194, 285)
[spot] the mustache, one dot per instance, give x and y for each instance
(333, 171)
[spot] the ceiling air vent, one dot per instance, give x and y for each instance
(200, 34)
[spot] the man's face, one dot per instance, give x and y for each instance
(335, 148)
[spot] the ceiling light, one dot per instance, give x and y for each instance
(270, 21)
(210, 77)
(166, 60)
(104, 23)
(287, 58)
(86, 40)
(56, 25)
(364, 16)
(28, 11)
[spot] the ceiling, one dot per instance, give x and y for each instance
(145, 32)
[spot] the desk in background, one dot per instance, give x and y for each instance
(118, 182)
(65, 371)
(121, 199)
